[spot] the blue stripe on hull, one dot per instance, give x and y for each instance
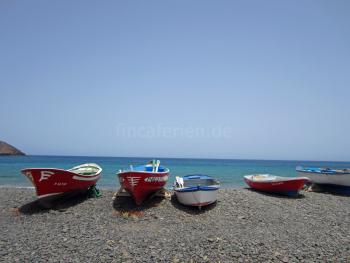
(339, 189)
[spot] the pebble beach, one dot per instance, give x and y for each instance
(243, 226)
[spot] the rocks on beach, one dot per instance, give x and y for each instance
(244, 226)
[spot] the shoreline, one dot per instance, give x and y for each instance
(243, 226)
(114, 188)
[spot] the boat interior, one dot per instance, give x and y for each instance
(327, 170)
(88, 169)
(267, 178)
(263, 177)
(148, 168)
(183, 182)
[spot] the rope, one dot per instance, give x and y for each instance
(94, 192)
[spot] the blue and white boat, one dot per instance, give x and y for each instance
(332, 180)
(196, 190)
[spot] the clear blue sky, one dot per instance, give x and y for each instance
(215, 79)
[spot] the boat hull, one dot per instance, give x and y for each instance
(197, 197)
(327, 178)
(141, 185)
(287, 187)
(332, 182)
(49, 182)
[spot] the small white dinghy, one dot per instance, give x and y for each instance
(196, 190)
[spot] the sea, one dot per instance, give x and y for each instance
(229, 172)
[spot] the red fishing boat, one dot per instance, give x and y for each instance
(289, 186)
(54, 182)
(144, 180)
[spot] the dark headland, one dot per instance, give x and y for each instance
(7, 149)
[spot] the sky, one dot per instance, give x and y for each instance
(193, 79)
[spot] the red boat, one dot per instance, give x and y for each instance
(289, 186)
(144, 180)
(52, 182)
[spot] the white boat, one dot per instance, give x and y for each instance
(334, 180)
(196, 190)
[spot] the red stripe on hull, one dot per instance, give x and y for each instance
(140, 185)
(279, 186)
(56, 181)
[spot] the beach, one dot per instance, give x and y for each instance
(243, 226)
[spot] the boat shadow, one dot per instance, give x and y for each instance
(60, 203)
(126, 203)
(329, 192)
(314, 188)
(276, 195)
(193, 210)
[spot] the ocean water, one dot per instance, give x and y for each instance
(229, 172)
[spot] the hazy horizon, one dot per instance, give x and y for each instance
(165, 157)
(226, 80)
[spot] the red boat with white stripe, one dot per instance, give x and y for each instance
(52, 181)
(289, 186)
(142, 181)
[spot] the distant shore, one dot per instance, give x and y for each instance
(244, 226)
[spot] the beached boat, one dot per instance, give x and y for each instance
(53, 182)
(289, 186)
(196, 190)
(144, 180)
(333, 180)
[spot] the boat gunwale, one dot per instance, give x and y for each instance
(323, 171)
(197, 188)
(146, 172)
(98, 172)
(330, 172)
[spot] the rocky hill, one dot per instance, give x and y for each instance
(7, 149)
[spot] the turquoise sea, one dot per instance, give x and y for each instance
(229, 172)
